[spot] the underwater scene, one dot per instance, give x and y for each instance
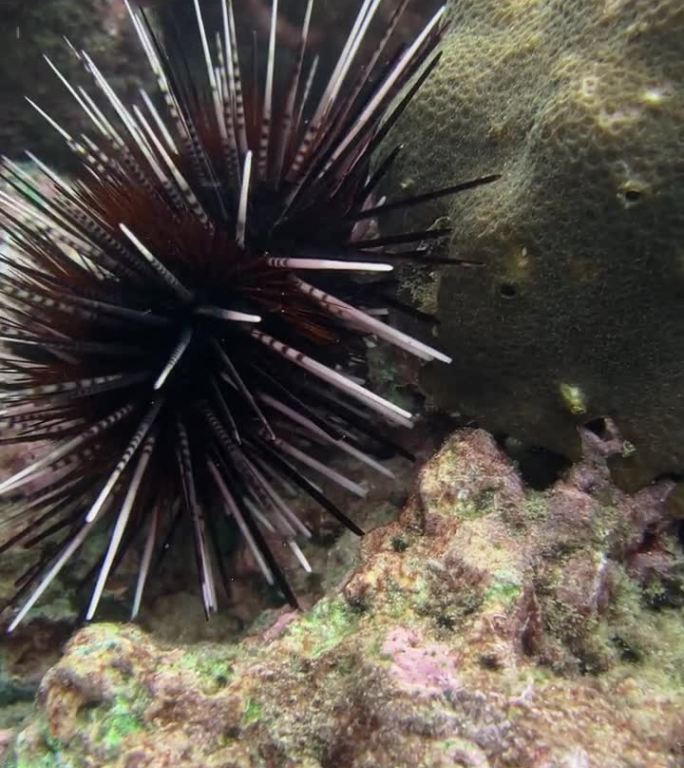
(341, 384)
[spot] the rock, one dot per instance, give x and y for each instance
(26, 655)
(481, 630)
(575, 313)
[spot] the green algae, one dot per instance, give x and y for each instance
(254, 711)
(536, 507)
(111, 724)
(574, 399)
(51, 760)
(214, 666)
(117, 724)
(323, 628)
(503, 590)
(608, 526)
(386, 378)
(396, 599)
(53, 757)
(469, 510)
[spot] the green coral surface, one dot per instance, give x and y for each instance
(576, 310)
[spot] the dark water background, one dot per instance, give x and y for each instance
(30, 29)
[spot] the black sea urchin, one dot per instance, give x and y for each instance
(160, 336)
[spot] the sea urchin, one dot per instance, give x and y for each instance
(164, 341)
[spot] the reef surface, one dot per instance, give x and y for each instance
(576, 310)
(489, 626)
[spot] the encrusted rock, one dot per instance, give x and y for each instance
(481, 630)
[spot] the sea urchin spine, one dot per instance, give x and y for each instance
(160, 337)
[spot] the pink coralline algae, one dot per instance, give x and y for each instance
(425, 668)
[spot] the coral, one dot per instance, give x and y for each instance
(575, 312)
(556, 658)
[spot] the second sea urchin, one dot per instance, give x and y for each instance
(163, 335)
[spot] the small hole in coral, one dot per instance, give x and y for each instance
(627, 652)
(599, 427)
(508, 290)
(490, 661)
(539, 467)
(632, 195)
(446, 622)
(649, 540)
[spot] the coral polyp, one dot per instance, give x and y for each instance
(185, 318)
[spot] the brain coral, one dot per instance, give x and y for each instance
(577, 311)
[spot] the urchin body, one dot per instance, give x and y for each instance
(186, 319)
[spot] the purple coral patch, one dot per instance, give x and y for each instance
(427, 669)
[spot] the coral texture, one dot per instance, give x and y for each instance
(489, 627)
(576, 311)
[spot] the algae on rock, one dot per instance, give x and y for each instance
(489, 627)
